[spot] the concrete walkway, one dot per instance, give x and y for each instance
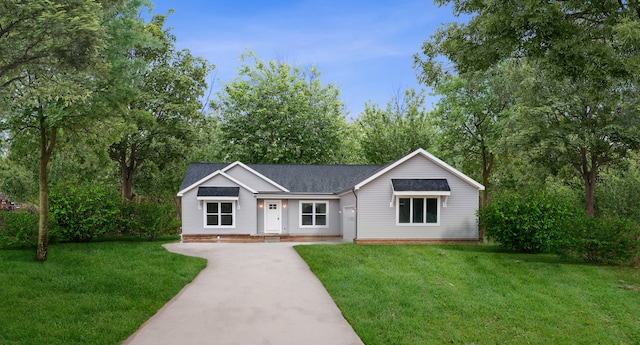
(255, 293)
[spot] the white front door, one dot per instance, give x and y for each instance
(272, 216)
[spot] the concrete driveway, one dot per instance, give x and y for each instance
(254, 293)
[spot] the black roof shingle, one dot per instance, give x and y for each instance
(297, 178)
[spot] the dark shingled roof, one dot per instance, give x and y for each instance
(420, 185)
(297, 178)
(218, 191)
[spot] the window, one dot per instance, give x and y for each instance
(220, 214)
(313, 214)
(418, 211)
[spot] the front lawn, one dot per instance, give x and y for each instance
(476, 295)
(93, 293)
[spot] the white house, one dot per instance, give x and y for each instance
(418, 198)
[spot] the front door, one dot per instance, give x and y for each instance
(272, 216)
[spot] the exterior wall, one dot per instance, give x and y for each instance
(377, 220)
(193, 212)
(251, 180)
(291, 218)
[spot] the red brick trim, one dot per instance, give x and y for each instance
(241, 238)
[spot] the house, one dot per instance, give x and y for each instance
(418, 198)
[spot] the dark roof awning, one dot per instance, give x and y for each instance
(420, 187)
(218, 192)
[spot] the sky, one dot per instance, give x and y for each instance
(365, 48)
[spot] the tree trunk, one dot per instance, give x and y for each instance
(590, 192)
(46, 149)
(127, 169)
(487, 165)
(127, 182)
(589, 172)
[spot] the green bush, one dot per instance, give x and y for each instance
(148, 220)
(602, 240)
(530, 222)
(18, 229)
(83, 213)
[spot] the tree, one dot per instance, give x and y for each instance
(48, 93)
(37, 36)
(470, 118)
(584, 57)
(277, 113)
(388, 134)
(160, 117)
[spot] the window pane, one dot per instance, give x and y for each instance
(404, 211)
(212, 207)
(321, 220)
(226, 207)
(212, 220)
(307, 220)
(227, 220)
(418, 210)
(432, 210)
(321, 208)
(307, 208)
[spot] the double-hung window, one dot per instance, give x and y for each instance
(220, 214)
(418, 210)
(314, 214)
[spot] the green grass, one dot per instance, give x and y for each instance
(93, 293)
(476, 295)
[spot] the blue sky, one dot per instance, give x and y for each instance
(364, 47)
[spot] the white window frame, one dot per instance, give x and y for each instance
(313, 214)
(411, 197)
(219, 202)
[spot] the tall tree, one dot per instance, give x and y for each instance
(278, 113)
(470, 117)
(47, 94)
(588, 55)
(390, 133)
(160, 117)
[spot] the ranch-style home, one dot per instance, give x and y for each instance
(417, 198)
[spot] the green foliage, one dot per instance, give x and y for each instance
(401, 128)
(43, 38)
(18, 229)
(578, 105)
(618, 193)
(602, 240)
(277, 113)
(531, 222)
(160, 117)
(149, 220)
(86, 212)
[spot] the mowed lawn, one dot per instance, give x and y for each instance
(476, 295)
(93, 293)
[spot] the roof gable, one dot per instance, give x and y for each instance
(212, 175)
(429, 157)
(259, 175)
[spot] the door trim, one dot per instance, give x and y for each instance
(266, 210)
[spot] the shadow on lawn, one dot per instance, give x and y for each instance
(494, 249)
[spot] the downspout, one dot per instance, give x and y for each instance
(356, 195)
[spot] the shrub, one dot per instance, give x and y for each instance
(83, 213)
(149, 220)
(602, 240)
(18, 229)
(530, 222)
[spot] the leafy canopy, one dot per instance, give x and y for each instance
(274, 112)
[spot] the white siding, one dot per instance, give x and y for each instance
(251, 180)
(193, 212)
(293, 219)
(377, 220)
